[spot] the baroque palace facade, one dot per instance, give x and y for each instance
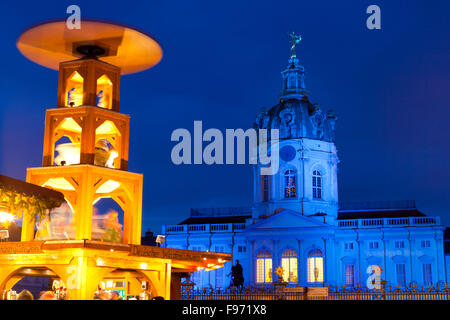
(297, 223)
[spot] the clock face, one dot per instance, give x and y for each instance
(287, 153)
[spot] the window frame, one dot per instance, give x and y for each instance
(317, 185)
(290, 256)
(290, 184)
(264, 256)
(427, 273)
(315, 259)
(401, 274)
(346, 274)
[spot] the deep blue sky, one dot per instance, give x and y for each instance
(222, 60)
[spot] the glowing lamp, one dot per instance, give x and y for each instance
(100, 262)
(144, 265)
(6, 217)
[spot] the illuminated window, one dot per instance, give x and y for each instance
(74, 90)
(104, 92)
(401, 274)
(289, 184)
(289, 265)
(264, 267)
(427, 275)
(315, 266)
(317, 184)
(265, 187)
(349, 275)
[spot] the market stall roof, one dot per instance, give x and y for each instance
(29, 189)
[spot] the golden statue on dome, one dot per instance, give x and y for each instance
(295, 40)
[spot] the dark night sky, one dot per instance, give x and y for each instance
(222, 63)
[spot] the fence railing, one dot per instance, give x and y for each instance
(347, 223)
(203, 228)
(438, 292)
(388, 222)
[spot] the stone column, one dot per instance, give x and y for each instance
(252, 263)
(275, 262)
(299, 261)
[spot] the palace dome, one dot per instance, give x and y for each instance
(295, 116)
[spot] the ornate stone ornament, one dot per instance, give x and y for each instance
(287, 125)
(287, 153)
(317, 120)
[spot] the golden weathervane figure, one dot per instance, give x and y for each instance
(295, 40)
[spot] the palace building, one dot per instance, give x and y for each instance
(297, 223)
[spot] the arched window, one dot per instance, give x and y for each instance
(289, 265)
(315, 266)
(264, 267)
(317, 184)
(289, 184)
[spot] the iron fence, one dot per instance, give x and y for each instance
(412, 292)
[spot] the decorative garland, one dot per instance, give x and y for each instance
(20, 203)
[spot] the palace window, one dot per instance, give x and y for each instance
(399, 244)
(315, 266)
(348, 246)
(197, 275)
(425, 243)
(219, 277)
(196, 279)
(289, 265)
(401, 274)
(373, 245)
(349, 275)
(292, 81)
(219, 249)
(241, 249)
(264, 267)
(265, 187)
(317, 184)
(289, 184)
(427, 276)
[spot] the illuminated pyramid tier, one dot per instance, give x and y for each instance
(93, 163)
